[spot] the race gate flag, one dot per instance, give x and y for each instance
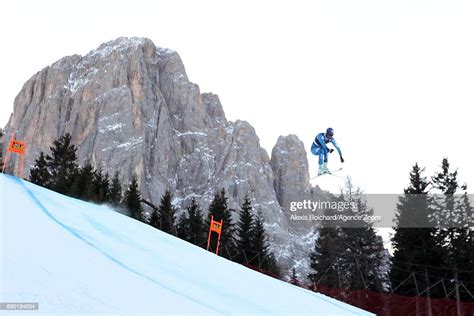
(217, 228)
(16, 147)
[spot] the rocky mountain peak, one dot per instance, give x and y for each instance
(290, 167)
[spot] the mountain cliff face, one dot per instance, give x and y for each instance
(291, 177)
(129, 106)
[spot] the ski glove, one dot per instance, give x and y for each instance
(342, 159)
(330, 150)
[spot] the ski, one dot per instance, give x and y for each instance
(329, 172)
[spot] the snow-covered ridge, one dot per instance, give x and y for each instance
(164, 51)
(82, 72)
(123, 44)
(120, 44)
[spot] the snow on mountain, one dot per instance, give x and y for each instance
(76, 257)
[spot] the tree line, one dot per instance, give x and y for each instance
(60, 172)
(438, 258)
(433, 243)
(244, 241)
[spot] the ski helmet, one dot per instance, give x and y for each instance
(329, 132)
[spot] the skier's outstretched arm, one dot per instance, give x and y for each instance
(333, 141)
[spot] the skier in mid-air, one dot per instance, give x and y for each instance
(320, 149)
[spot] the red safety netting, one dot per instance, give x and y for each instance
(389, 304)
(393, 304)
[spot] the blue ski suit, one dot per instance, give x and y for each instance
(320, 149)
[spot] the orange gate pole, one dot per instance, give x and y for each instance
(219, 239)
(209, 237)
(215, 227)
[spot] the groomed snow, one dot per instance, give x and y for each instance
(76, 257)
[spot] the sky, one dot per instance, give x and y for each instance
(393, 78)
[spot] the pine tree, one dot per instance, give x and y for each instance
(197, 230)
(446, 181)
(363, 261)
(96, 183)
(324, 260)
(132, 200)
(462, 247)
(465, 245)
(167, 211)
(62, 164)
(259, 242)
(447, 184)
(453, 238)
(82, 186)
(245, 232)
(294, 278)
(414, 240)
(183, 230)
(467, 210)
(101, 185)
(115, 190)
(155, 219)
(39, 174)
(263, 258)
(220, 211)
(347, 255)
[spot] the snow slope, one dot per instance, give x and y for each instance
(77, 257)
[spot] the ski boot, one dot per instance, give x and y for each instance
(323, 169)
